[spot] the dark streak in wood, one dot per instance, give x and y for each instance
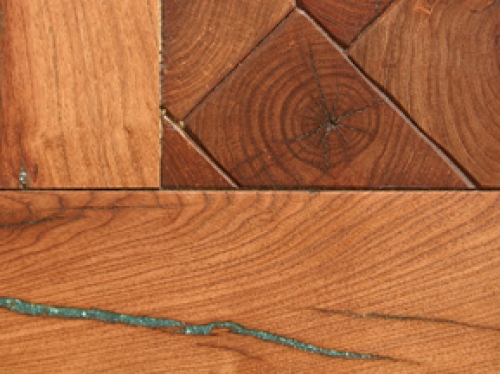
(401, 318)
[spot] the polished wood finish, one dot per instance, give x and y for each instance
(185, 165)
(409, 279)
(267, 124)
(440, 60)
(344, 19)
(288, 263)
(79, 93)
(203, 40)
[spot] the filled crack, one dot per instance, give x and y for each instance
(174, 326)
(330, 121)
(348, 313)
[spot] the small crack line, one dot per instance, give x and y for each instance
(28, 222)
(401, 318)
(494, 3)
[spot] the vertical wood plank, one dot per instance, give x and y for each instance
(79, 93)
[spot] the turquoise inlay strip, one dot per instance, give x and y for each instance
(30, 309)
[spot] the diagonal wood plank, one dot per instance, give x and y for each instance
(344, 19)
(296, 114)
(79, 93)
(409, 276)
(203, 40)
(441, 61)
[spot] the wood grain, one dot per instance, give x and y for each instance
(185, 165)
(203, 40)
(344, 19)
(287, 263)
(79, 93)
(267, 124)
(441, 61)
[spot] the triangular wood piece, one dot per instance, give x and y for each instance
(184, 164)
(344, 19)
(204, 40)
(297, 114)
(441, 61)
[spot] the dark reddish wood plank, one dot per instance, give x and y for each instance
(440, 60)
(266, 124)
(421, 267)
(79, 93)
(344, 19)
(185, 165)
(203, 40)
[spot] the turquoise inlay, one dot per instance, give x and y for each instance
(26, 308)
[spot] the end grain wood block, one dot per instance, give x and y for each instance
(186, 165)
(441, 61)
(296, 114)
(203, 40)
(409, 276)
(344, 19)
(79, 93)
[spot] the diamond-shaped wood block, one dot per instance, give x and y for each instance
(296, 113)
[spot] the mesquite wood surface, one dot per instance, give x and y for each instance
(421, 267)
(297, 114)
(306, 94)
(204, 40)
(79, 94)
(344, 19)
(441, 61)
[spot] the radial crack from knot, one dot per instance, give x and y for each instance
(332, 122)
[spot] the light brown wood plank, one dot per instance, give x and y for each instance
(441, 61)
(278, 262)
(79, 93)
(203, 40)
(297, 114)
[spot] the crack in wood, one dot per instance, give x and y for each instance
(494, 3)
(330, 122)
(402, 318)
(175, 326)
